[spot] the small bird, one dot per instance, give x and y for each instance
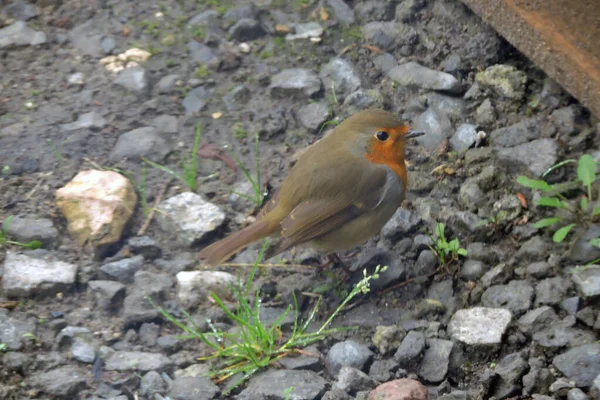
(340, 192)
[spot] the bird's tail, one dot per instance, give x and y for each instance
(220, 251)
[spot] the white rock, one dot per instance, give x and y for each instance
(135, 54)
(190, 216)
(196, 286)
(479, 325)
(28, 276)
(306, 31)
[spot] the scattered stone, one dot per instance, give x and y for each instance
(27, 228)
(485, 115)
(403, 223)
(539, 269)
(166, 124)
(479, 326)
(472, 270)
(237, 98)
(390, 35)
(426, 263)
(189, 216)
(561, 386)
(347, 353)
(152, 383)
(537, 380)
(310, 359)
(515, 296)
(109, 295)
(571, 305)
(123, 270)
(134, 79)
(434, 365)
(141, 142)
(563, 333)
(583, 252)
(167, 84)
(295, 82)
(136, 307)
(400, 389)
(551, 291)
(437, 128)
(384, 62)
(203, 54)
(388, 338)
(196, 286)
(13, 329)
(91, 120)
(97, 206)
(587, 315)
(452, 63)
(453, 107)
(343, 13)
(246, 29)
(534, 249)
(63, 382)
(577, 394)
(306, 31)
(144, 246)
(362, 99)
(193, 388)
(464, 138)
(496, 276)
(369, 259)
(505, 80)
(580, 364)
(352, 380)
(537, 320)
(273, 383)
(516, 134)
(587, 280)
(340, 75)
(537, 156)
(410, 351)
(509, 370)
(382, 370)
(414, 75)
(406, 10)
(21, 10)
(470, 195)
(138, 361)
(26, 276)
(313, 115)
(19, 34)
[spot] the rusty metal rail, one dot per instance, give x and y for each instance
(561, 36)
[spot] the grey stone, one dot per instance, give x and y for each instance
(341, 76)
(534, 249)
(565, 119)
(389, 35)
(84, 349)
(485, 115)
(385, 62)
(19, 34)
(577, 394)
(382, 370)
(141, 142)
(515, 296)
(136, 307)
(404, 223)
(539, 269)
(501, 273)
(351, 380)
(123, 270)
(587, 315)
(243, 11)
(193, 388)
(237, 98)
(414, 75)
(436, 360)
(12, 330)
(562, 333)
(505, 80)
(144, 246)
(168, 84)
(16, 362)
(148, 333)
(203, 54)
(537, 156)
(310, 359)
(472, 270)
(204, 18)
(362, 99)
(537, 380)
(138, 361)
(134, 79)
(470, 195)
(347, 353)
(509, 370)
(342, 12)
(580, 364)
(166, 124)
(437, 128)
(26, 228)
(86, 39)
(587, 280)
(373, 10)
(516, 134)
(406, 10)
(452, 63)
(537, 320)
(551, 291)
(371, 258)
(464, 137)
(453, 107)
(91, 120)
(387, 338)
(571, 305)
(62, 382)
(411, 350)
(193, 104)
(152, 383)
(189, 216)
(313, 115)
(583, 252)
(271, 123)
(479, 326)
(273, 383)
(246, 29)
(108, 44)
(26, 276)
(426, 263)
(109, 295)
(21, 10)
(295, 82)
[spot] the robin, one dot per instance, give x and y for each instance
(340, 193)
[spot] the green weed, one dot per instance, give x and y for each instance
(253, 345)
(239, 132)
(34, 244)
(582, 213)
(446, 252)
(201, 72)
(255, 181)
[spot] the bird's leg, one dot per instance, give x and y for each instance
(334, 259)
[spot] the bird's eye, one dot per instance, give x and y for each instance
(381, 135)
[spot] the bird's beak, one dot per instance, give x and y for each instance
(413, 134)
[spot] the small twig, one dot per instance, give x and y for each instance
(37, 186)
(286, 266)
(157, 201)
